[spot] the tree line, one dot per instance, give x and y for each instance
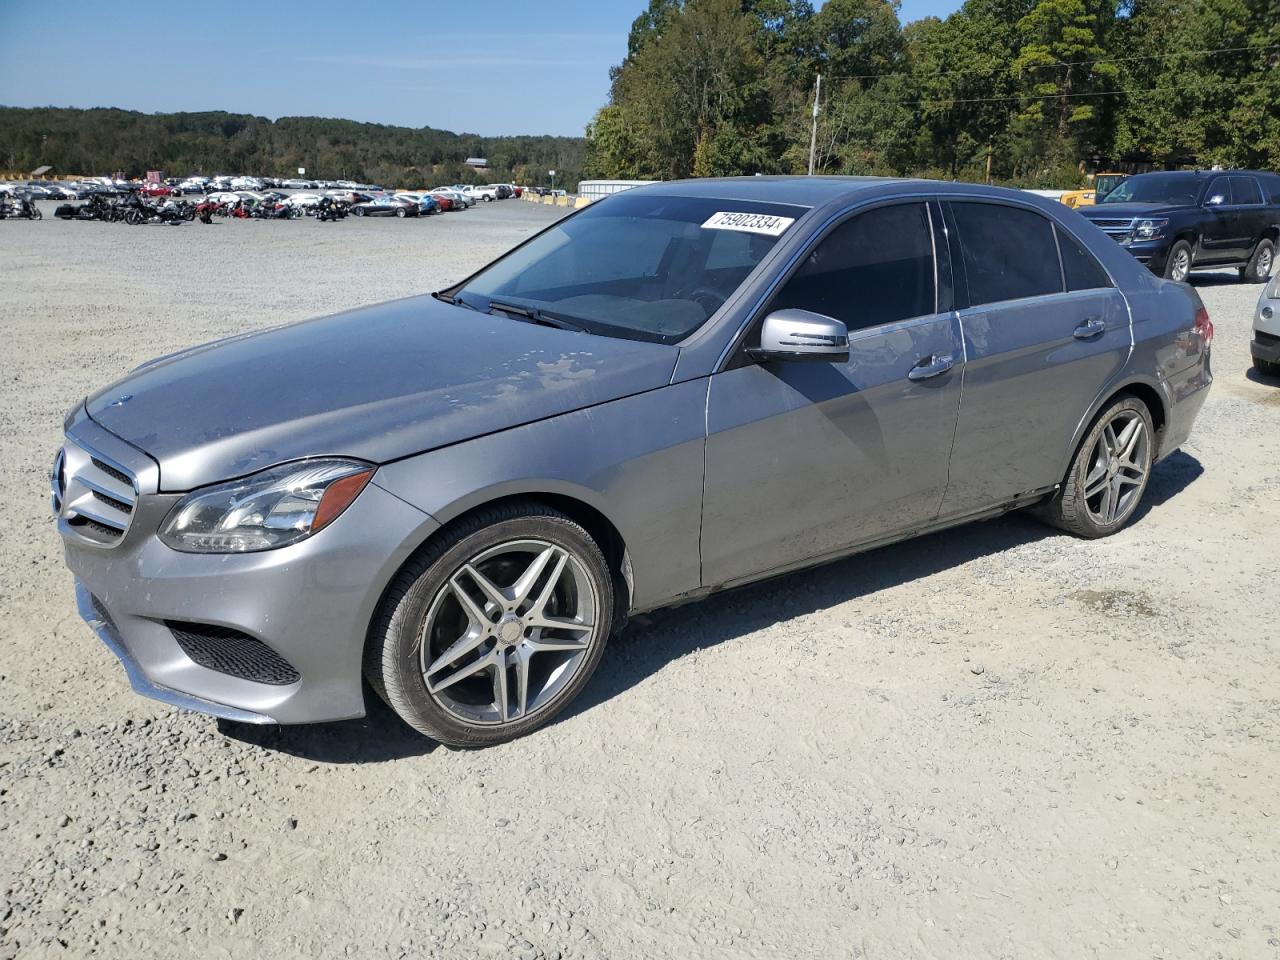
(103, 141)
(1028, 92)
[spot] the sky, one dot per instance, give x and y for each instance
(484, 66)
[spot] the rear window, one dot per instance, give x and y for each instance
(1245, 190)
(1081, 270)
(1009, 253)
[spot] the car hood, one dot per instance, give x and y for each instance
(1119, 211)
(378, 383)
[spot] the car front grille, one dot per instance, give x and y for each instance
(233, 653)
(95, 497)
(1116, 229)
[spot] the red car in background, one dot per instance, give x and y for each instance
(155, 190)
(518, 191)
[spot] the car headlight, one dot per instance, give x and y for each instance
(1149, 229)
(270, 509)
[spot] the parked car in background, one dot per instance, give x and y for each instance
(486, 193)
(460, 199)
(155, 190)
(1266, 330)
(425, 202)
(678, 389)
(385, 207)
(1178, 222)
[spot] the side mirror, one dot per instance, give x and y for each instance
(801, 335)
(1216, 200)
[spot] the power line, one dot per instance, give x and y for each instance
(1069, 63)
(1063, 96)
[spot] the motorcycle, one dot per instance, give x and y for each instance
(98, 208)
(328, 209)
(205, 210)
(19, 208)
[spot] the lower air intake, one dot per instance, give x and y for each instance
(233, 653)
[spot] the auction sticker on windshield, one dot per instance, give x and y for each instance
(748, 223)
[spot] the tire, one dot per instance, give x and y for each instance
(1266, 367)
(501, 544)
(358, 211)
(1081, 505)
(1177, 266)
(36, 214)
(401, 214)
(1260, 264)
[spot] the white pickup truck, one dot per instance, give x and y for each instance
(486, 192)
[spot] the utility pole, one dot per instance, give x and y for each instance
(988, 161)
(813, 133)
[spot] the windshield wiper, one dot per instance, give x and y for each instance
(449, 298)
(534, 315)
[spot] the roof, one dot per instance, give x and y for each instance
(804, 191)
(41, 171)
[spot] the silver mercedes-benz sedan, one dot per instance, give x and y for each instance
(678, 389)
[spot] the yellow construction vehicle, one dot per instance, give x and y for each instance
(1103, 183)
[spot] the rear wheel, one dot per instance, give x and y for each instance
(495, 628)
(1260, 264)
(402, 213)
(1178, 265)
(1109, 474)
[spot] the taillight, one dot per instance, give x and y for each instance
(1204, 326)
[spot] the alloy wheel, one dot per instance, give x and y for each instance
(1264, 262)
(1181, 266)
(1118, 466)
(508, 632)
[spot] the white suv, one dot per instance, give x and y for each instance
(487, 192)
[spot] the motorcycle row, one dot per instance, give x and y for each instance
(136, 210)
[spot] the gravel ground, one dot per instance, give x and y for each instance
(995, 742)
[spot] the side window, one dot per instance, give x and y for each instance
(1008, 252)
(874, 269)
(1219, 192)
(1082, 271)
(1245, 190)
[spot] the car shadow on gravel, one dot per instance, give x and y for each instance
(651, 641)
(377, 737)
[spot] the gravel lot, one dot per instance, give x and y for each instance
(996, 742)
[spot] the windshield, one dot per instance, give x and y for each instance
(1166, 188)
(642, 267)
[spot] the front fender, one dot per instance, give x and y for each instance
(637, 461)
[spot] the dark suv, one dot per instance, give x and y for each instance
(1182, 221)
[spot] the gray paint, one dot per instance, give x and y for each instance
(714, 470)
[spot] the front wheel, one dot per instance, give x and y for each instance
(36, 214)
(402, 214)
(495, 628)
(1109, 473)
(1178, 265)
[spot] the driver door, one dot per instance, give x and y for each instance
(807, 459)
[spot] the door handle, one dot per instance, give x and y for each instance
(931, 366)
(1090, 328)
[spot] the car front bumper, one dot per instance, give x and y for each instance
(310, 603)
(1265, 346)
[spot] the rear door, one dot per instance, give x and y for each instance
(1043, 333)
(1246, 199)
(805, 460)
